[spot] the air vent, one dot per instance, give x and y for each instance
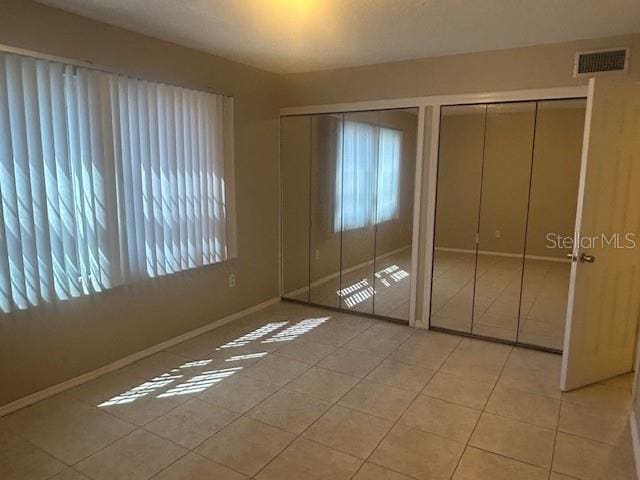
(601, 61)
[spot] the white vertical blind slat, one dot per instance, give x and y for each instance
(105, 179)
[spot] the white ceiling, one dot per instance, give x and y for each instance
(302, 35)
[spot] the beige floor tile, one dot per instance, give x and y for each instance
(142, 410)
(334, 333)
(21, 460)
(378, 399)
(67, 429)
(418, 454)
(238, 393)
(380, 339)
(352, 362)
(305, 459)
(595, 424)
(195, 467)
(275, 369)
(426, 350)
(517, 440)
(588, 460)
(480, 465)
(526, 407)
(530, 380)
(306, 351)
(613, 399)
(621, 381)
(477, 360)
(559, 476)
(191, 423)
(138, 456)
(289, 410)
(70, 474)
(442, 418)
(401, 375)
(246, 445)
(155, 365)
(105, 387)
(349, 431)
(371, 471)
(460, 390)
(324, 384)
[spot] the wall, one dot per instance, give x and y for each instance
(513, 69)
(46, 346)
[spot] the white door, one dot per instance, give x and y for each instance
(604, 293)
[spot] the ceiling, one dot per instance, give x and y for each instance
(301, 35)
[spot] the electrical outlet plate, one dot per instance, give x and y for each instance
(232, 280)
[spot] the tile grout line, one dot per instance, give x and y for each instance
(408, 406)
(300, 435)
(466, 446)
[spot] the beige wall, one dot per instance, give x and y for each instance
(531, 67)
(512, 131)
(46, 346)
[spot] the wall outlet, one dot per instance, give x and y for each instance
(498, 233)
(317, 254)
(232, 280)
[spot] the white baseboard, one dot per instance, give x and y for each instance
(325, 279)
(635, 442)
(123, 362)
(504, 254)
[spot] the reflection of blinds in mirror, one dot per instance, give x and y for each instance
(368, 151)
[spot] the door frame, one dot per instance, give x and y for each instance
(426, 169)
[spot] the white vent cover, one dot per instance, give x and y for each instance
(597, 62)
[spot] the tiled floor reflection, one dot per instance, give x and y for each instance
(355, 289)
(293, 392)
(495, 304)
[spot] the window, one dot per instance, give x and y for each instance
(368, 176)
(105, 179)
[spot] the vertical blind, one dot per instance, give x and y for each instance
(368, 176)
(106, 179)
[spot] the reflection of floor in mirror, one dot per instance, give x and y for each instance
(497, 296)
(355, 289)
(294, 392)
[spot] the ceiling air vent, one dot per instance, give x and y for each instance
(601, 61)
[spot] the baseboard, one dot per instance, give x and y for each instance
(635, 442)
(123, 362)
(504, 254)
(326, 278)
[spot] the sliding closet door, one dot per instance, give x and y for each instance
(325, 209)
(295, 138)
(552, 213)
(394, 212)
(356, 184)
(457, 210)
(506, 175)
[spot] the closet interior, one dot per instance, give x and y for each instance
(507, 185)
(347, 210)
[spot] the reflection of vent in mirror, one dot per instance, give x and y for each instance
(603, 61)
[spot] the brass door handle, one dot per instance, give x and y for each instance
(572, 257)
(587, 258)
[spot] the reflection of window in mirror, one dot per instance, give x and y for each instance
(367, 147)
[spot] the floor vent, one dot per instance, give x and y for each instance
(601, 61)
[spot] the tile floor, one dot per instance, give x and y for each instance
(504, 290)
(293, 392)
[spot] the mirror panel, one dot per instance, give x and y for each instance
(357, 186)
(394, 212)
(457, 209)
(503, 218)
(552, 211)
(325, 239)
(295, 138)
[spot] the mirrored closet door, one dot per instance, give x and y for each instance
(347, 210)
(506, 186)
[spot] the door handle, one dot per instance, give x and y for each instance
(587, 258)
(572, 256)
